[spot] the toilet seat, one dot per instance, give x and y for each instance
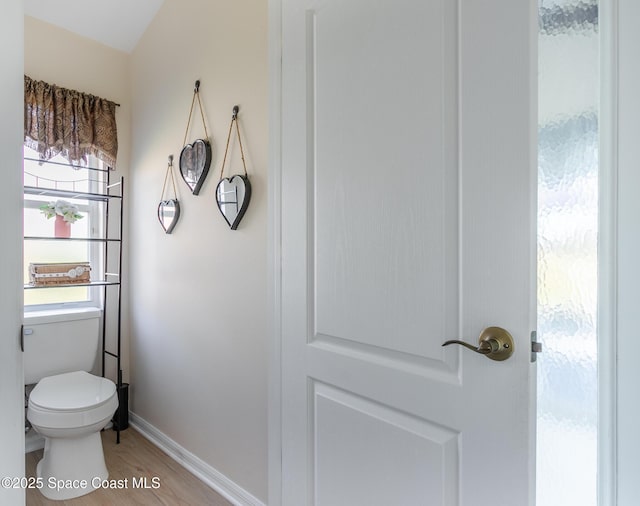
(74, 399)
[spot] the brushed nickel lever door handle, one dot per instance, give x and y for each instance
(494, 342)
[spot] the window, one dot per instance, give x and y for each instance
(58, 174)
(568, 178)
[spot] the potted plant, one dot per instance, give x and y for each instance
(65, 213)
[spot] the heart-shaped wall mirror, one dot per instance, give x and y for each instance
(195, 160)
(233, 195)
(168, 214)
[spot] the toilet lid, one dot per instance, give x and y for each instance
(72, 391)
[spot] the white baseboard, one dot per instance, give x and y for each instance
(196, 466)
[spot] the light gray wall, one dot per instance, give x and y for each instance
(199, 295)
(11, 121)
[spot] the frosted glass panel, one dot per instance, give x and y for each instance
(567, 253)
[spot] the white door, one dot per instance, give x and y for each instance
(406, 214)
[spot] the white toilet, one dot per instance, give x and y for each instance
(68, 406)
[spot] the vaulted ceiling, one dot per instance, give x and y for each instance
(115, 23)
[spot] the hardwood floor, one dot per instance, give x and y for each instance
(135, 457)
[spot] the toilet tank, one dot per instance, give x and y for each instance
(57, 342)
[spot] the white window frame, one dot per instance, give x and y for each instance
(96, 213)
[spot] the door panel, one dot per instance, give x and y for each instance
(386, 440)
(406, 220)
(365, 220)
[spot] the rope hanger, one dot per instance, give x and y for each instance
(196, 93)
(173, 181)
(234, 119)
(195, 158)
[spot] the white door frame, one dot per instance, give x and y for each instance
(11, 295)
(620, 250)
(607, 245)
(274, 236)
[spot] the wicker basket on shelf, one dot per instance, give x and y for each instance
(59, 273)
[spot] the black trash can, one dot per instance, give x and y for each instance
(121, 417)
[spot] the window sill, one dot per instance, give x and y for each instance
(60, 315)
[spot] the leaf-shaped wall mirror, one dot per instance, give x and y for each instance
(168, 214)
(195, 160)
(168, 208)
(233, 195)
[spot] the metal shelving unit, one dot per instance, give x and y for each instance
(113, 196)
(52, 192)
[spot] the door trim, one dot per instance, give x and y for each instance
(621, 104)
(608, 254)
(274, 237)
(11, 370)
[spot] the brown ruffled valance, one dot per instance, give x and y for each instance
(68, 122)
